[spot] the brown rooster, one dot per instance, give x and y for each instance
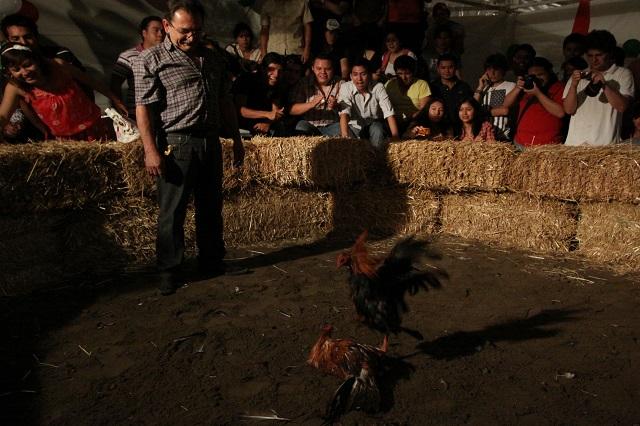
(354, 363)
(378, 285)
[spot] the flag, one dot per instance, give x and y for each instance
(583, 18)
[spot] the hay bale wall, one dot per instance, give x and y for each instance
(53, 175)
(70, 208)
(579, 173)
(452, 166)
(512, 220)
(609, 233)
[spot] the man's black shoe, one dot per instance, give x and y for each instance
(167, 283)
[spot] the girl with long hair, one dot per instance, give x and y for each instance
(50, 89)
(471, 124)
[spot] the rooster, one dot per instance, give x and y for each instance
(354, 363)
(378, 285)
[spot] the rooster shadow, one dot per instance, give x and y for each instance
(466, 343)
(393, 371)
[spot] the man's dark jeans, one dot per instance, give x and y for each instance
(193, 165)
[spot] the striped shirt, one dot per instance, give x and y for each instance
(124, 70)
(494, 97)
(307, 89)
(187, 91)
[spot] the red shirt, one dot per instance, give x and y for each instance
(536, 125)
(67, 112)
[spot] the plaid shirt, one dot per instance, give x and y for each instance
(186, 91)
(306, 90)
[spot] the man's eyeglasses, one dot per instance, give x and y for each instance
(188, 33)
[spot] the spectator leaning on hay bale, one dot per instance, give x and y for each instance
(364, 106)
(408, 94)
(51, 89)
(472, 125)
(261, 98)
(315, 99)
(183, 98)
(597, 98)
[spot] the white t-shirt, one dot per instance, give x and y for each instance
(495, 97)
(596, 122)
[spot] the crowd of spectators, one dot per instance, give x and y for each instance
(380, 70)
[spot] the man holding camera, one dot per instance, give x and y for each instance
(597, 98)
(539, 120)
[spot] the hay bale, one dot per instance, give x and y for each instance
(57, 175)
(579, 173)
(451, 166)
(312, 162)
(511, 220)
(609, 233)
(260, 214)
(139, 183)
(266, 214)
(384, 211)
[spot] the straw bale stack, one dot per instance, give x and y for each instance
(511, 220)
(260, 214)
(579, 173)
(384, 211)
(57, 175)
(265, 214)
(609, 233)
(312, 162)
(139, 183)
(451, 166)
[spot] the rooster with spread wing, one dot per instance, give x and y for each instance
(379, 285)
(357, 364)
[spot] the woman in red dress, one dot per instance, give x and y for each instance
(50, 89)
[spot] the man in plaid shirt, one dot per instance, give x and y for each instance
(182, 98)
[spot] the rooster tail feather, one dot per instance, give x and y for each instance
(355, 393)
(339, 404)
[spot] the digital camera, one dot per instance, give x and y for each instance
(529, 81)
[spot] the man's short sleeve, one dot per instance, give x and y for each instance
(344, 99)
(307, 17)
(626, 83)
(146, 81)
(383, 100)
(422, 89)
(123, 67)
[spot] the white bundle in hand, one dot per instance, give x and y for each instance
(126, 130)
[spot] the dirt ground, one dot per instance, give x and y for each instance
(511, 338)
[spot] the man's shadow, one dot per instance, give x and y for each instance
(363, 194)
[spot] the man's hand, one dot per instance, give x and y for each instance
(122, 109)
(597, 77)
(262, 127)
(238, 153)
(275, 114)
(306, 54)
(332, 102)
(576, 76)
(317, 100)
(153, 162)
(483, 82)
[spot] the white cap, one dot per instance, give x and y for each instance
(333, 25)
